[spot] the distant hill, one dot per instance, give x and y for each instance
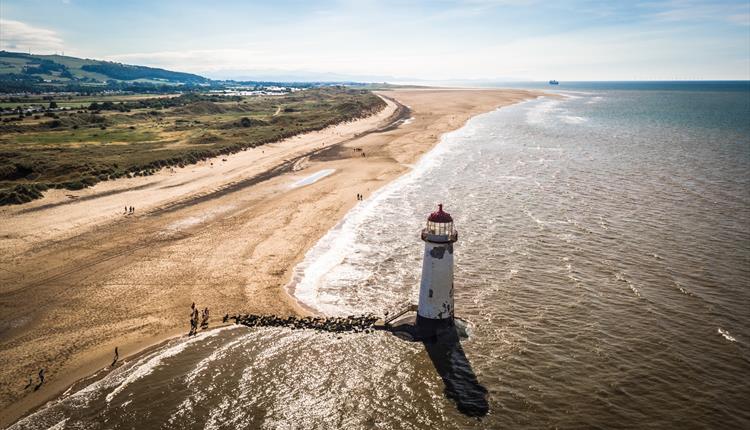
(29, 72)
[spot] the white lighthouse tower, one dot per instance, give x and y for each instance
(435, 307)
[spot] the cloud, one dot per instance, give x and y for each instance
(19, 36)
(701, 11)
(193, 60)
(740, 19)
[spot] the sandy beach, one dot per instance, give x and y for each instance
(78, 276)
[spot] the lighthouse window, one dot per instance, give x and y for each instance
(440, 228)
(430, 293)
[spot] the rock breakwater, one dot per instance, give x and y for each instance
(352, 323)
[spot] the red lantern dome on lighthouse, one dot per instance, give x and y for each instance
(440, 215)
(439, 227)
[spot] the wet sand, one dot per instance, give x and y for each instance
(79, 277)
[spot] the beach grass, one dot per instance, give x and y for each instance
(75, 149)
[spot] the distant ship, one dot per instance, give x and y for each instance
(554, 82)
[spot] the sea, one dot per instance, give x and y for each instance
(602, 269)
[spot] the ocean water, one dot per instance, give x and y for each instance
(603, 267)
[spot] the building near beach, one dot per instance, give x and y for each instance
(435, 307)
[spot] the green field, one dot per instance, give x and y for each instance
(140, 135)
(72, 101)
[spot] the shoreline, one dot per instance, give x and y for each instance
(292, 286)
(101, 373)
(224, 218)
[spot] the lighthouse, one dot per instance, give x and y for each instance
(435, 307)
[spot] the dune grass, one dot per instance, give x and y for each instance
(77, 150)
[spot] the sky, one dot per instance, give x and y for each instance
(396, 41)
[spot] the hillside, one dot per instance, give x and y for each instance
(28, 72)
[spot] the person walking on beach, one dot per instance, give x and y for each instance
(192, 319)
(204, 321)
(194, 322)
(41, 376)
(117, 357)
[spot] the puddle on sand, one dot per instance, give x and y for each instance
(315, 177)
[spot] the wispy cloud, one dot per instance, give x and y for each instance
(742, 18)
(474, 8)
(19, 36)
(195, 60)
(701, 11)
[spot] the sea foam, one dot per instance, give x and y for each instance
(341, 241)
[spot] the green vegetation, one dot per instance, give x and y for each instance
(136, 136)
(125, 72)
(21, 72)
(70, 122)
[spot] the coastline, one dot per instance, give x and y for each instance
(236, 240)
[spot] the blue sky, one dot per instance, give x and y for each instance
(397, 40)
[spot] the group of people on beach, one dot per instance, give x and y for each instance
(129, 209)
(360, 197)
(194, 319)
(31, 381)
